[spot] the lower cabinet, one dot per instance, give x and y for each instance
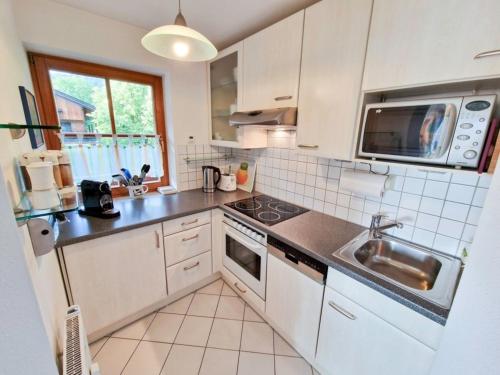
(293, 303)
(243, 290)
(353, 341)
(116, 276)
(190, 271)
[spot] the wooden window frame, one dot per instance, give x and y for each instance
(41, 64)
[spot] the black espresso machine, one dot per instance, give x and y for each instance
(97, 200)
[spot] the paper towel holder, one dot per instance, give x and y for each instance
(42, 236)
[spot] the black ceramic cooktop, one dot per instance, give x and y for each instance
(266, 209)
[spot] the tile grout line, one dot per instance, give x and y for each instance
(107, 338)
(241, 336)
(140, 340)
(211, 326)
(173, 341)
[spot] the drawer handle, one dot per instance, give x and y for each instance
(190, 222)
(187, 268)
(487, 53)
(308, 146)
(191, 238)
(286, 97)
(157, 239)
(237, 287)
(342, 311)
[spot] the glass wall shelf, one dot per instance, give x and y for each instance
(30, 213)
(35, 127)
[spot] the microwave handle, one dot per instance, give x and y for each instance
(452, 120)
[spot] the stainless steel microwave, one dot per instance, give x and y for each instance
(448, 131)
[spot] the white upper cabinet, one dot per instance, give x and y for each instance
(271, 65)
(333, 53)
(415, 42)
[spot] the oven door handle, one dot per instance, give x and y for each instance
(241, 238)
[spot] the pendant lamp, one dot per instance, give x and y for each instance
(179, 42)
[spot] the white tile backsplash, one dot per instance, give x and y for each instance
(434, 206)
(440, 210)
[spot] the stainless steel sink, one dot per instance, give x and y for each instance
(419, 270)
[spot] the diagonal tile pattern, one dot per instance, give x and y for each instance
(210, 332)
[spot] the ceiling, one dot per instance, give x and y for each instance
(222, 21)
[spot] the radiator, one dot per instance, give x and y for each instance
(76, 353)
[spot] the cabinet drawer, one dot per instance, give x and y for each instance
(186, 222)
(187, 244)
(244, 291)
(183, 274)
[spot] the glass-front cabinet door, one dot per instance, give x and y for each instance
(224, 73)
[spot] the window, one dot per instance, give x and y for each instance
(110, 118)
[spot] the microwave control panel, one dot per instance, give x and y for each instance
(471, 130)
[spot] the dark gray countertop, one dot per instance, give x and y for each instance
(314, 233)
(135, 213)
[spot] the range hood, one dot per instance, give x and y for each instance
(279, 118)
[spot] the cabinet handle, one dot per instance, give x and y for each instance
(487, 53)
(286, 97)
(191, 238)
(342, 311)
(237, 287)
(190, 222)
(187, 268)
(157, 239)
(308, 146)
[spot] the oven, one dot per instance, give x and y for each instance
(447, 131)
(245, 254)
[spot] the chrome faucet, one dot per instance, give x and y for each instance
(376, 229)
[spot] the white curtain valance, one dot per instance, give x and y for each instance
(99, 158)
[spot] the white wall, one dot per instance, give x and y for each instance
(471, 342)
(24, 345)
(44, 271)
(53, 28)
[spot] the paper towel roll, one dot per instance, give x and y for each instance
(365, 184)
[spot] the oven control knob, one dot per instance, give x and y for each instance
(470, 154)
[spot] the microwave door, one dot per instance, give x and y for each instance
(420, 131)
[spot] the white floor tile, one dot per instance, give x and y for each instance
(255, 363)
(114, 355)
(230, 308)
(228, 291)
(194, 331)
(203, 305)
(225, 334)
(315, 372)
(148, 359)
(183, 360)
(136, 329)
(292, 366)
(180, 306)
(257, 337)
(96, 346)
(219, 362)
(281, 347)
(213, 288)
(164, 328)
(251, 315)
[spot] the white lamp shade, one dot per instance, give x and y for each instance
(179, 43)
